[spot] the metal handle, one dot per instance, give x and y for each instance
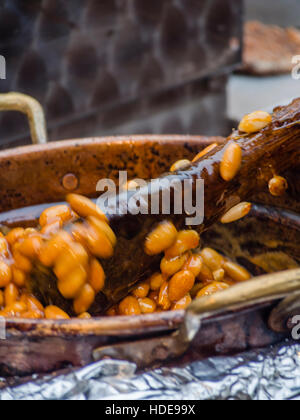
(265, 288)
(146, 352)
(32, 108)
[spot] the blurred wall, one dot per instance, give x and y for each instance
(281, 12)
(102, 67)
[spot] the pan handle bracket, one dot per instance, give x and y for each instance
(148, 352)
(281, 317)
(32, 109)
(267, 288)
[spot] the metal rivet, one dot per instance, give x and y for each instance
(70, 182)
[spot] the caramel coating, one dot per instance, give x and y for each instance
(231, 162)
(161, 238)
(129, 306)
(254, 122)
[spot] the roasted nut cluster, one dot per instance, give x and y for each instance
(186, 273)
(72, 255)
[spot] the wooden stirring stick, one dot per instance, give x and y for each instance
(255, 159)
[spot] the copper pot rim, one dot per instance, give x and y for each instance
(92, 141)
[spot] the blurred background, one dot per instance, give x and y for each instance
(109, 67)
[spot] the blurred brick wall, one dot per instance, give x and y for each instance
(120, 66)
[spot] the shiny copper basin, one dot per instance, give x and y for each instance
(41, 174)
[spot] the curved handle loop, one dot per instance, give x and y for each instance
(266, 288)
(32, 108)
(148, 351)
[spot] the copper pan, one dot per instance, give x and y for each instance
(267, 241)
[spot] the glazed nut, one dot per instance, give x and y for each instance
(52, 228)
(161, 238)
(219, 275)
(205, 152)
(14, 235)
(16, 309)
(80, 233)
(278, 186)
(129, 306)
(212, 288)
(60, 212)
(3, 247)
(55, 313)
(231, 161)
(156, 281)
(19, 277)
(169, 267)
(206, 275)
(180, 285)
(21, 262)
(85, 207)
(236, 272)
(84, 300)
(182, 303)
(255, 122)
(163, 297)
(30, 231)
(180, 165)
(74, 255)
(212, 259)
(148, 306)
(5, 274)
(186, 241)
(103, 227)
(142, 290)
(31, 247)
(97, 276)
(154, 295)
(34, 305)
(11, 294)
(236, 213)
(98, 243)
(72, 284)
(194, 265)
(52, 249)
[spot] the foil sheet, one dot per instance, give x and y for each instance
(272, 373)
